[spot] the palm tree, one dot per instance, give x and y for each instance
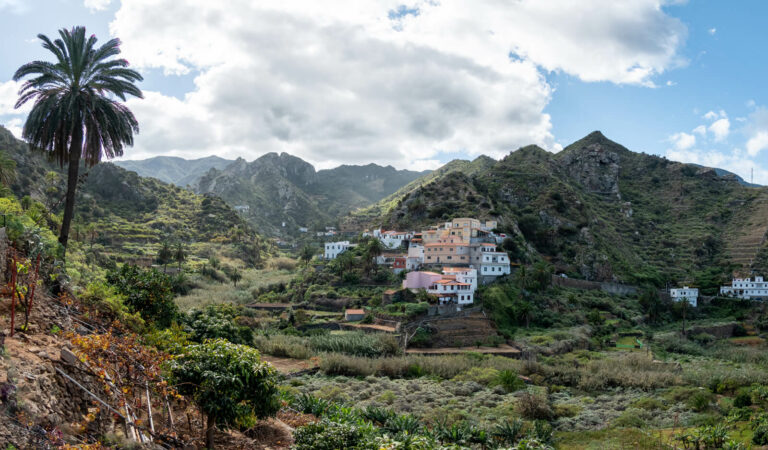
(179, 253)
(165, 255)
(76, 114)
(373, 250)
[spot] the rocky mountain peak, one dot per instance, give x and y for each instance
(594, 162)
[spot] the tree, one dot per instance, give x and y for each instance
(234, 275)
(217, 322)
(164, 255)
(542, 275)
(76, 114)
(306, 254)
(229, 383)
(373, 250)
(147, 292)
(179, 253)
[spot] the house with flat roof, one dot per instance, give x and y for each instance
(746, 288)
(685, 293)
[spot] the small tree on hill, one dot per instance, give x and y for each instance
(306, 254)
(165, 254)
(229, 383)
(234, 275)
(179, 253)
(373, 249)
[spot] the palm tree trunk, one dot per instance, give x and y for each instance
(209, 430)
(75, 151)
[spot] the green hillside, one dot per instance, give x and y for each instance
(283, 192)
(124, 210)
(596, 210)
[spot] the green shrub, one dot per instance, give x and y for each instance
(631, 418)
(743, 398)
(509, 380)
(147, 292)
(327, 435)
(217, 321)
(648, 404)
(482, 375)
(534, 406)
(700, 401)
(110, 303)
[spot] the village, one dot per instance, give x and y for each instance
(464, 250)
(450, 259)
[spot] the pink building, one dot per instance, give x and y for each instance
(420, 280)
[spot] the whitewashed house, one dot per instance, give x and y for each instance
(393, 239)
(303, 229)
(746, 288)
(685, 293)
(489, 262)
(333, 249)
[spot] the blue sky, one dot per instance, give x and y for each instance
(356, 81)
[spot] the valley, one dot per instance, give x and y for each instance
(560, 329)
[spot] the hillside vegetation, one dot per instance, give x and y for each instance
(283, 192)
(596, 210)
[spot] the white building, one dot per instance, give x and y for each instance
(746, 288)
(489, 262)
(685, 293)
(333, 249)
(463, 275)
(303, 229)
(449, 290)
(392, 239)
(415, 256)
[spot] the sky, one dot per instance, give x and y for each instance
(417, 83)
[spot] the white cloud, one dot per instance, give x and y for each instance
(14, 6)
(97, 5)
(757, 143)
(720, 128)
(9, 93)
(15, 127)
(683, 141)
(353, 81)
(711, 115)
(733, 161)
(712, 31)
(670, 83)
(756, 130)
(700, 130)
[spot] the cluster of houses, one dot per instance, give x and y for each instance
(740, 287)
(465, 248)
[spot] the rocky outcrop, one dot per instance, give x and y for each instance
(595, 166)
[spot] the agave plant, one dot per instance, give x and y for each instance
(509, 432)
(309, 404)
(377, 415)
(405, 423)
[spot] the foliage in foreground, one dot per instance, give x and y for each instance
(229, 382)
